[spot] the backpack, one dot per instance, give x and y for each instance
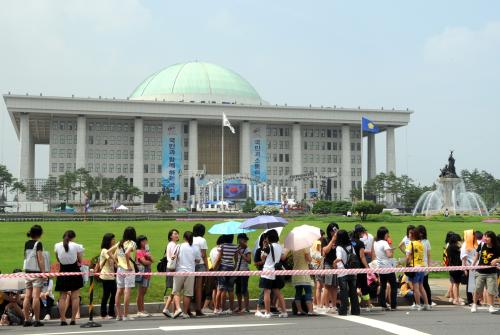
(352, 259)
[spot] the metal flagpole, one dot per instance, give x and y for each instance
(362, 161)
(222, 165)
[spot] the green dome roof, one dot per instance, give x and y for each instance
(198, 82)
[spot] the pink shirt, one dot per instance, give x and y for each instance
(143, 254)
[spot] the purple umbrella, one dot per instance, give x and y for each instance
(263, 222)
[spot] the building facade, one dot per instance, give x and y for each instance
(168, 135)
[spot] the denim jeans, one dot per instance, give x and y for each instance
(348, 292)
(307, 292)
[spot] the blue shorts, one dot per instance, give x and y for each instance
(418, 278)
(225, 283)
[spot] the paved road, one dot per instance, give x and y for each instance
(443, 320)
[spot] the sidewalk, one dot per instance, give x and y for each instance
(439, 287)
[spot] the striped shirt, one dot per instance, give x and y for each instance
(228, 251)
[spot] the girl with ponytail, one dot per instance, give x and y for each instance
(69, 255)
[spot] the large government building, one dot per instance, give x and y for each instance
(167, 135)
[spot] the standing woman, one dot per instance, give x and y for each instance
(69, 256)
(107, 268)
(488, 254)
(361, 278)
(33, 263)
(415, 258)
(171, 253)
(347, 283)
(427, 258)
(200, 243)
(144, 261)
(185, 263)
(225, 284)
(302, 283)
(330, 281)
(125, 279)
(384, 254)
(453, 252)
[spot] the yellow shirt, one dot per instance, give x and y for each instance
(418, 253)
(300, 263)
(120, 253)
(107, 265)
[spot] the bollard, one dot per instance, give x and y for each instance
(91, 323)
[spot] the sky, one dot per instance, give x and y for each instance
(438, 58)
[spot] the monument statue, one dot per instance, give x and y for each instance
(449, 170)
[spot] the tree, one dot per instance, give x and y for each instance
(248, 206)
(164, 203)
(356, 193)
(66, 183)
(18, 187)
(6, 180)
(484, 184)
(49, 190)
(81, 175)
(134, 191)
(363, 208)
(121, 186)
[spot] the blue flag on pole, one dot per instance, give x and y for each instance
(369, 126)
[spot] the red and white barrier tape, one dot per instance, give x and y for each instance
(253, 273)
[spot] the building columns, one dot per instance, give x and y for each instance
(346, 178)
(139, 155)
(81, 142)
(193, 158)
(372, 167)
(25, 155)
(297, 159)
(390, 151)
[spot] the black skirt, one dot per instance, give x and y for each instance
(69, 283)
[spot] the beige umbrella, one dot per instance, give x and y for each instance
(302, 237)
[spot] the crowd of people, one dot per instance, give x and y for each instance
(122, 264)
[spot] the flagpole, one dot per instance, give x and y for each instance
(222, 165)
(362, 172)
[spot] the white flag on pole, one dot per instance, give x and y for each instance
(226, 123)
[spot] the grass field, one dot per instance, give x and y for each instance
(13, 236)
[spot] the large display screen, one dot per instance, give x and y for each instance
(235, 191)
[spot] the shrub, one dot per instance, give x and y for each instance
(267, 210)
(164, 204)
(340, 207)
(322, 207)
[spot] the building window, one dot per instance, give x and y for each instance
(353, 172)
(186, 155)
(275, 157)
(353, 159)
(118, 154)
(281, 157)
(118, 168)
(146, 168)
(328, 145)
(186, 183)
(131, 168)
(97, 167)
(131, 140)
(69, 167)
(91, 139)
(287, 157)
(287, 131)
(145, 182)
(125, 154)
(131, 154)
(54, 167)
(111, 168)
(305, 145)
(322, 133)
(125, 168)
(359, 172)
(287, 170)
(159, 168)
(358, 146)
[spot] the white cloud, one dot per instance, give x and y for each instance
(463, 47)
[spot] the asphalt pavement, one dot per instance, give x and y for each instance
(442, 320)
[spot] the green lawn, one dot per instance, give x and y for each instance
(90, 233)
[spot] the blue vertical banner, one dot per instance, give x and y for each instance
(258, 152)
(172, 158)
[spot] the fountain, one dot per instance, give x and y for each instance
(450, 196)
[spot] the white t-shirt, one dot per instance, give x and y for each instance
(471, 254)
(269, 263)
(368, 241)
(382, 260)
(427, 248)
(171, 248)
(201, 244)
(342, 255)
(405, 241)
(214, 254)
(69, 257)
(187, 258)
